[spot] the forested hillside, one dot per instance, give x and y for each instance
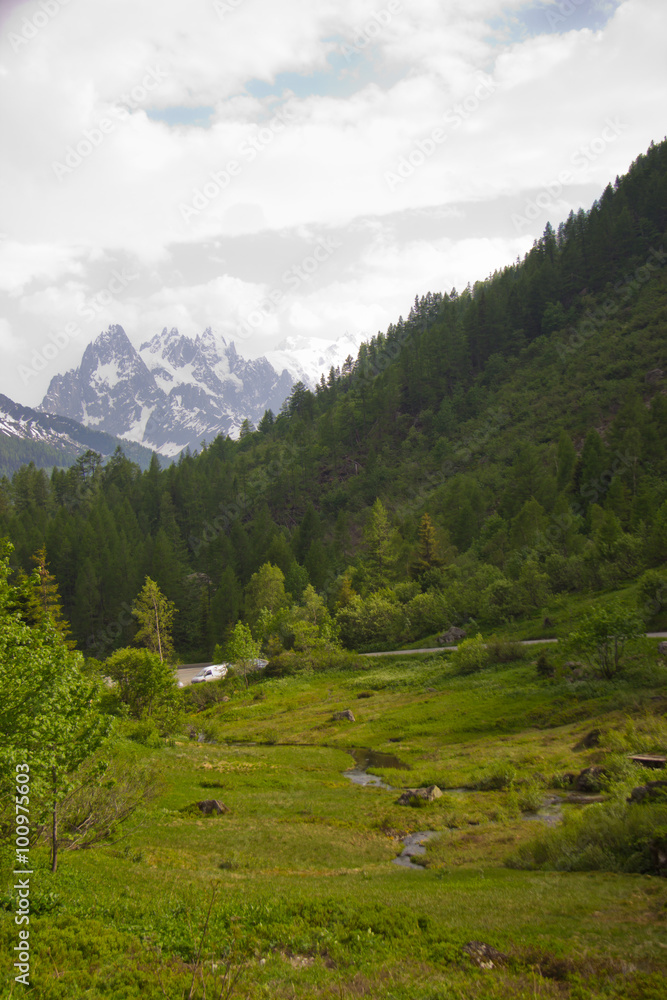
(500, 445)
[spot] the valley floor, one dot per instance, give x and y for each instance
(306, 899)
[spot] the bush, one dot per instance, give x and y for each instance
(198, 697)
(652, 595)
(145, 732)
(505, 651)
(544, 667)
(499, 779)
(616, 836)
(530, 797)
(471, 655)
(291, 662)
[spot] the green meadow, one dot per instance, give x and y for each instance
(293, 891)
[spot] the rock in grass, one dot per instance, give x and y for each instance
(590, 779)
(340, 716)
(662, 648)
(212, 806)
(452, 636)
(484, 956)
(418, 795)
(652, 791)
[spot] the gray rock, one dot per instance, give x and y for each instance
(656, 375)
(429, 794)
(452, 636)
(650, 792)
(662, 648)
(341, 716)
(484, 956)
(212, 806)
(590, 779)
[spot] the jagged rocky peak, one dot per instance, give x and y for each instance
(171, 393)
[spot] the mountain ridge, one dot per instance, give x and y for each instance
(174, 391)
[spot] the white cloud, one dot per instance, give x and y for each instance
(309, 162)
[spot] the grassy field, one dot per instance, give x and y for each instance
(304, 898)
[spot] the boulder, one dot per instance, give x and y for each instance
(210, 807)
(650, 792)
(655, 375)
(340, 716)
(662, 648)
(484, 956)
(452, 636)
(410, 795)
(590, 779)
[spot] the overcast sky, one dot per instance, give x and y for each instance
(294, 168)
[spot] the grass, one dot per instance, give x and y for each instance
(308, 898)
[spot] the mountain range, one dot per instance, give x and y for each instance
(175, 391)
(26, 435)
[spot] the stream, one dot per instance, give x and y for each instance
(549, 813)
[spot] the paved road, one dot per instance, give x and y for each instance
(451, 649)
(188, 670)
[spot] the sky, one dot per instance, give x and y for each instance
(300, 169)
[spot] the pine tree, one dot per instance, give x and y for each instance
(429, 555)
(48, 597)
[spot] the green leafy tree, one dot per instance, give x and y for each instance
(50, 718)
(155, 615)
(242, 649)
(602, 637)
(145, 682)
(266, 589)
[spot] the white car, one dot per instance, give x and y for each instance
(212, 673)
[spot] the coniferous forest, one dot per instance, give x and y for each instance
(501, 444)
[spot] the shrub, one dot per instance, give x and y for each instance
(530, 797)
(616, 836)
(505, 651)
(544, 667)
(499, 779)
(291, 662)
(602, 636)
(471, 655)
(146, 733)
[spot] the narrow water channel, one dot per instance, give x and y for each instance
(363, 759)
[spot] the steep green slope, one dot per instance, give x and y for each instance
(526, 416)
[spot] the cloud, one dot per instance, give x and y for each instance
(209, 149)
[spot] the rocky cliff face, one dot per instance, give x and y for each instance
(172, 393)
